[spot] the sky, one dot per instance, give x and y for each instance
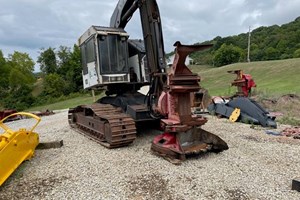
(29, 25)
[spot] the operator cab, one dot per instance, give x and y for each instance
(109, 59)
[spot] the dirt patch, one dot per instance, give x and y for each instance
(151, 186)
(251, 138)
(289, 97)
(273, 101)
(282, 101)
(29, 189)
(231, 194)
(237, 194)
(277, 139)
(287, 105)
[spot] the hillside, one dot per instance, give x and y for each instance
(267, 43)
(272, 77)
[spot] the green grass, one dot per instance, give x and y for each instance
(69, 103)
(38, 87)
(272, 77)
(291, 120)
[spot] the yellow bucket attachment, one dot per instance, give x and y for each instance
(16, 146)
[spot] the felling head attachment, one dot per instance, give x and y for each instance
(182, 133)
(181, 52)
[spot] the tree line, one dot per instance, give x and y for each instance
(267, 43)
(21, 87)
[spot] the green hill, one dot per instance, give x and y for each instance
(267, 43)
(273, 78)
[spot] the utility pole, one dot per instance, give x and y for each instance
(248, 55)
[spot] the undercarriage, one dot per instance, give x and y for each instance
(103, 123)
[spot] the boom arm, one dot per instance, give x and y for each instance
(151, 25)
(153, 40)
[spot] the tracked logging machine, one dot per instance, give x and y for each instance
(121, 66)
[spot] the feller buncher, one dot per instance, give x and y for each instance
(122, 66)
(16, 146)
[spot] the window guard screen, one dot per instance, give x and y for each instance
(113, 54)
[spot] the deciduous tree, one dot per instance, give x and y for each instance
(227, 54)
(47, 61)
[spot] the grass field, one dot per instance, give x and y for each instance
(273, 78)
(69, 103)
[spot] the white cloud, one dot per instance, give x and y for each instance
(28, 25)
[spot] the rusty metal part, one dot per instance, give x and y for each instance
(175, 147)
(182, 135)
(44, 113)
(6, 113)
(103, 123)
(243, 82)
(200, 100)
(239, 82)
(176, 101)
(292, 132)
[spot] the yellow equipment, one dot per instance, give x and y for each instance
(16, 146)
(235, 115)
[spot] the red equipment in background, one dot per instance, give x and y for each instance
(6, 113)
(243, 82)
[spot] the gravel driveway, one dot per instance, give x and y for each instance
(256, 166)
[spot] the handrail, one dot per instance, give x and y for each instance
(3, 126)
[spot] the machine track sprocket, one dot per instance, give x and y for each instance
(103, 123)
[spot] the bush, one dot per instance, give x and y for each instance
(227, 54)
(19, 99)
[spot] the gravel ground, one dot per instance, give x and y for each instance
(256, 166)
